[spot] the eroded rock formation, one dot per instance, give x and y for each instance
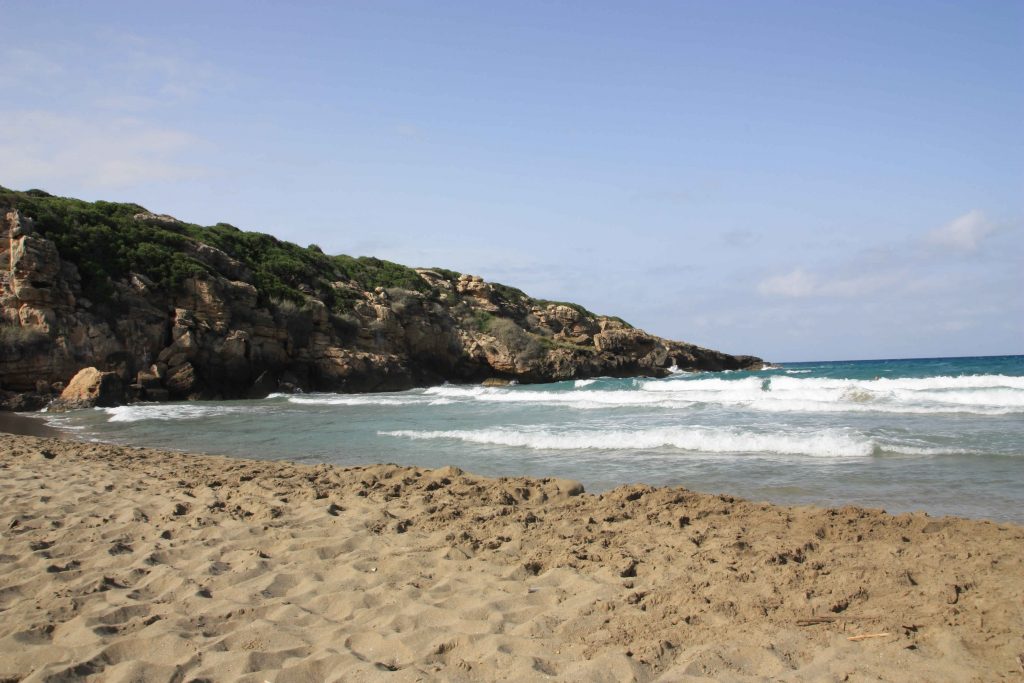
(216, 335)
(91, 387)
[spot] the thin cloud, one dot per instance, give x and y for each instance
(740, 238)
(39, 148)
(165, 72)
(884, 267)
(99, 114)
(799, 284)
(408, 130)
(23, 68)
(964, 233)
(795, 284)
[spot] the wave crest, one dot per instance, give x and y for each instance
(827, 442)
(975, 394)
(138, 412)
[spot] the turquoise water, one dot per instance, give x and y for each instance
(943, 435)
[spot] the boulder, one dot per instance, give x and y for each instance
(148, 380)
(181, 381)
(632, 341)
(90, 388)
(23, 402)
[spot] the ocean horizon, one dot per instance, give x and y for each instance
(940, 435)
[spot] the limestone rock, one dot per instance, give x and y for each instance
(182, 381)
(158, 218)
(216, 335)
(90, 388)
(624, 341)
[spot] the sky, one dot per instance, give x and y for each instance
(793, 180)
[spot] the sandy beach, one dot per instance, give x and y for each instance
(130, 564)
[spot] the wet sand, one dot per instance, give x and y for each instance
(123, 564)
(25, 425)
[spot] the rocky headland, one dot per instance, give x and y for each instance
(147, 307)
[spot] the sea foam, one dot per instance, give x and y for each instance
(979, 395)
(826, 442)
(353, 400)
(138, 412)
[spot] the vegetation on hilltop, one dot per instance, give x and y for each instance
(107, 241)
(178, 310)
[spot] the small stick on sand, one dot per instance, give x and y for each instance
(815, 620)
(865, 636)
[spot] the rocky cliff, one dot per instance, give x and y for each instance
(180, 311)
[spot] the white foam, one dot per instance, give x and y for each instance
(977, 394)
(351, 400)
(456, 391)
(990, 395)
(825, 442)
(590, 398)
(62, 421)
(138, 412)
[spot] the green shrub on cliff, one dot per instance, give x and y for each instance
(373, 272)
(523, 345)
(447, 274)
(106, 242)
(279, 267)
(482, 319)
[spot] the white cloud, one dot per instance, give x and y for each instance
(883, 268)
(24, 68)
(408, 130)
(794, 284)
(99, 114)
(799, 283)
(740, 238)
(40, 148)
(965, 232)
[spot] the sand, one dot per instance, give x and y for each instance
(126, 564)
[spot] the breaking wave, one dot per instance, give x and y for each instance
(977, 394)
(823, 443)
(351, 400)
(168, 412)
(581, 398)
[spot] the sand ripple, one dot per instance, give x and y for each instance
(127, 564)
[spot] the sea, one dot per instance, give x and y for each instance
(939, 435)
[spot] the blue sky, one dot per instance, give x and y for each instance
(792, 180)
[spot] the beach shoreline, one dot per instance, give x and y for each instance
(123, 562)
(28, 425)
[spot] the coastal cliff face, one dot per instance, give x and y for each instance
(177, 311)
